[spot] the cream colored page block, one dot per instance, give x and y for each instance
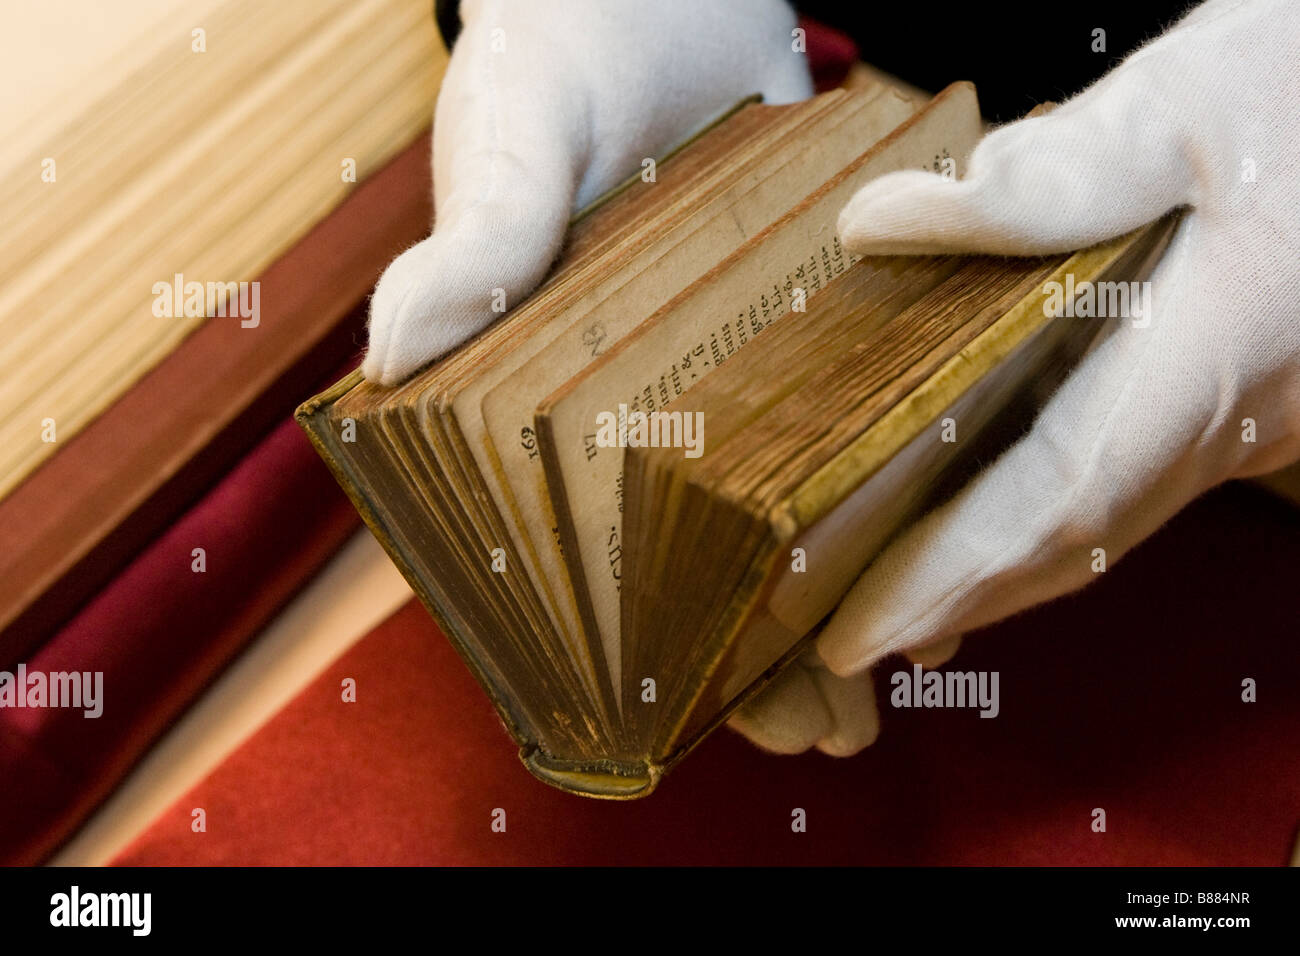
(235, 153)
(689, 251)
(200, 164)
(717, 318)
(266, 201)
(864, 76)
(59, 55)
(358, 589)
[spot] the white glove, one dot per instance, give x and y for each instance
(543, 108)
(1206, 117)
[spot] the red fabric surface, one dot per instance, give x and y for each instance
(1126, 696)
(159, 633)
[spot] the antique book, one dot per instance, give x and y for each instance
(632, 500)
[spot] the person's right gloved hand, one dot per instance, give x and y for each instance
(1205, 387)
(544, 107)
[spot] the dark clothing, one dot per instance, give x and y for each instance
(446, 13)
(1016, 55)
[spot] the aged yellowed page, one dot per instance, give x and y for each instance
(697, 332)
(689, 250)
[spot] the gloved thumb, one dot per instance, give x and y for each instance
(1096, 167)
(806, 706)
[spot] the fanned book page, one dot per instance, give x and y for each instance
(617, 600)
(699, 331)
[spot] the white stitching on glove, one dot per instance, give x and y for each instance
(1205, 117)
(543, 108)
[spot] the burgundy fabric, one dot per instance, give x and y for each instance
(160, 632)
(1125, 697)
(830, 54)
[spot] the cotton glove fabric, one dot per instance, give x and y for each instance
(1203, 117)
(544, 107)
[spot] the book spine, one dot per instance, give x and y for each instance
(600, 779)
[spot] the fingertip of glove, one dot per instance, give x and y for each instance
(769, 739)
(382, 363)
(789, 717)
(376, 370)
(844, 744)
(387, 364)
(844, 647)
(894, 215)
(935, 653)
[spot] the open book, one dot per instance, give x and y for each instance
(632, 500)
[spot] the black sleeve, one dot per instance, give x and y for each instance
(1017, 55)
(1016, 59)
(446, 14)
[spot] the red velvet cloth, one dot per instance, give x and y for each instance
(1126, 697)
(160, 632)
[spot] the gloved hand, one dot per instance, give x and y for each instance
(1205, 117)
(543, 108)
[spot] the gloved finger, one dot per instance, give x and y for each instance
(544, 107)
(1093, 168)
(1133, 434)
(936, 653)
(507, 167)
(855, 718)
(808, 706)
(788, 716)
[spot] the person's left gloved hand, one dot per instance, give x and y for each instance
(1204, 389)
(544, 107)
